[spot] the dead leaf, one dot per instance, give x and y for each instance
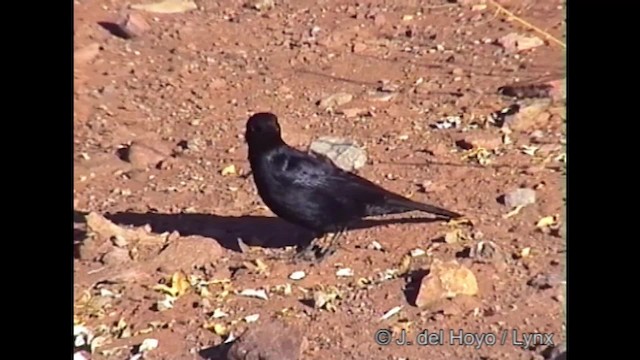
(261, 267)
(546, 221)
(480, 155)
(166, 303)
(513, 212)
(229, 170)
(391, 312)
(284, 312)
(326, 298)
(455, 236)
(363, 283)
(121, 330)
(405, 264)
(529, 150)
(459, 221)
(179, 285)
(260, 294)
(92, 306)
(257, 266)
(218, 329)
(284, 289)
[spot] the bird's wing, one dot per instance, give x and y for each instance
(299, 169)
(296, 168)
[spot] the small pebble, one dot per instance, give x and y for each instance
(297, 275)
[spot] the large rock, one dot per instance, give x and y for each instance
(446, 280)
(269, 341)
(185, 253)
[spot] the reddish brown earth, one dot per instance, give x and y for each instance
(181, 90)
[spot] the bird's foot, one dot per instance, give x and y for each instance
(313, 253)
(307, 253)
(284, 255)
(320, 249)
(310, 253)
(325, 252)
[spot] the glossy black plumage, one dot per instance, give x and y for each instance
(309, 190)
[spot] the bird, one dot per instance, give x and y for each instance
(309, 190)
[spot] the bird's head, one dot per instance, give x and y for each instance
(262, 128)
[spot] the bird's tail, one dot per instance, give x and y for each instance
(403, 205)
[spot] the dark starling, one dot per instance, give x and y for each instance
(309, 190)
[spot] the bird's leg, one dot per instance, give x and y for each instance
(330, 248)
(321, 247)
(308, 251)
(302, 252)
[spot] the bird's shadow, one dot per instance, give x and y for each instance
(263, 231)
(218, 352)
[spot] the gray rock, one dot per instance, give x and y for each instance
(519, 197)
(343, 152)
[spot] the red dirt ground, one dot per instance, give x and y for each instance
(187, 85)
